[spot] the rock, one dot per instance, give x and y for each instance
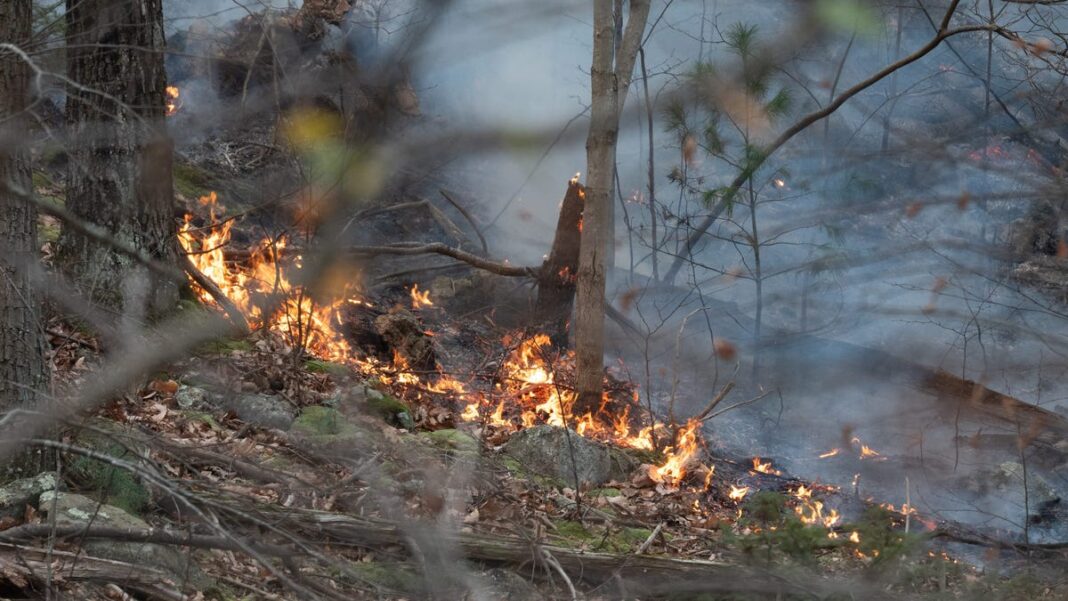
(453, 441)
(405, 336)
(16, 495)
(389, 408)
(507, 585)
(562, 454)
(192, 397)
(115, 485)
(325, 426)
(77, 510)
(262, 410)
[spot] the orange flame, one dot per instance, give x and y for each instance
(764, 468)
(420, 299)
(173, 101)
(738, 493)
(262, 286)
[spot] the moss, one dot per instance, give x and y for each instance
(453, 441)
(318, 366)
(604, 492)
(398, 577)
(114, 485)
(224, 346)
(319, 421)
(48, 231)
(389, 408)
(648, 456)
(325, 426)
(190, 181)
(41, 179)
(202, 417)
(607, 539)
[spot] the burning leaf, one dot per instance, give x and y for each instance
(174, 102)
(738, 493)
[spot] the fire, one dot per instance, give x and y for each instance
(830, 453)
(854, 537)
(764, 468)
(262, 290)
(173, 101)
(673, 470)
(810, 510)
(738, 493)
(420, 299)
(866, 452)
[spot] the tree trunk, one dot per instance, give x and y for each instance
(610, 75)
(23, 370)
(600, 145)
(119, 174)
(556, 283)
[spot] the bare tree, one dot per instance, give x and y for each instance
(119, 173)
(610, 76)
(23, 371)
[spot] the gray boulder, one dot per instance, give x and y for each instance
(262, 410)
(76, 510)
(16, 495)
(192, 397)
(562, 454)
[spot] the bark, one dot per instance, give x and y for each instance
(556, 284)
(23, 370)
(610, 75)
(119, 174)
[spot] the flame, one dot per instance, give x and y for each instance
(830, 453)
(173, 101)
(810, 510)
(262, 290)
(678, 457)
(854, 537)
(738, 493)
(764, 468)
(420, 299)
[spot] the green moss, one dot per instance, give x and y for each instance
(190, 181)
(604, 492)
(325, 426)
(319, 421)
(606, 539)
(114, 485)
(318, 366)
(389, 408)
(398, 577)
(48, 232)
(41, 179)
(202, 417)
(224, 346)
(453, 441)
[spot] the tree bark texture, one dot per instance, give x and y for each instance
(23, 370)
(556, 283)
(610, 75)
(119, 174)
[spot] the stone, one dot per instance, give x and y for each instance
(16, 495)
(77, 510)
(506, 585)
(264, 410)
(326, 427)
(562, 454)
(452, 441)
(192, 397)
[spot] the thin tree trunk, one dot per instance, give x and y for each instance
(600, 144)
(23, 370)
(119, 173)
(610, 75)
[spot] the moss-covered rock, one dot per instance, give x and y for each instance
(564, 455)
(452, 441)
(318, 366)
(77, 510)
(389, 408)
(224, 346)
(392, 576)
(110, 483)
(16, 495)
(325, 426)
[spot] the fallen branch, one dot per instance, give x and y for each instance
(437, 248)
(446, 195)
